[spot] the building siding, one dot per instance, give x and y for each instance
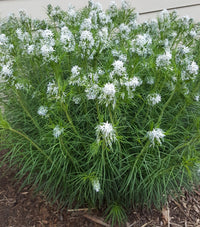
(146, 8)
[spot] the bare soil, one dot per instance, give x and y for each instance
(22, 208)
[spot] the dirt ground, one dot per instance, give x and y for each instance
(21, 208)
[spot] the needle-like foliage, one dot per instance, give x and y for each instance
(98, 109)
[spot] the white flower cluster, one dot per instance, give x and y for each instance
(164, 15)
(6, 71)
(22, 86)
(86, 40)
(92, 91)
(131, 84)
(96, 185)
(107, 95)
(57, 131)
(182, 49)
(156, 134)
(42, 111)
(193, 68)
(141, 45)
(103, 40)
(86, 24)
(119, 68)
(3, 39)
(23, 36)
(76, 99)
(153, 99)
(75, 77)
(52, 89)
(67, 39)
(124, 30)
(107, 132)
(46, 50)
(30, 49)
(47, 43)
(163, 60)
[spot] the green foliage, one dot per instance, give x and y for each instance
(100, 110)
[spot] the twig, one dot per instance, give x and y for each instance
(186, 223)
(80, 209)
(175, 224)
(168, 216)
(132, 224)
(96, 220)
(198, 193)
(181, 209)
(146, 223)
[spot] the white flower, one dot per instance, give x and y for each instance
(75, 78)
(103, 18)
(86, 24)
(193, 33)
(71, 12)
(67, 38)
(142, 45)
(133, 82)
(57, 131)
(42, 111)
(92, 91)
(113, 8)
(76, 99)
(106, 131)
(6, 70)
(75, 71)
(156, 134)
(119, 68)
(193, 68)
(20, 86)
(184, 75)
(95, 5)
(103, 35)
(86, 40)
(185, 49)
(197, 97)
(164, 59)
(143, 40)
(47, 34)
(150, 80)
(108, 94)
(185, 21)
(30, 49)
(20, 34)
(96, 185)
(125, 30)
(52, 89)
(125, 5)
(109, 90)
(164, 14)
(3, 39)
(154, 98)
(46, 50)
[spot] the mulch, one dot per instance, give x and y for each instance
(22, 208)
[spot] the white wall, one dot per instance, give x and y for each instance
(37, 8)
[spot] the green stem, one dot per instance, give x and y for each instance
(74, 162)
(164, 107)
(33, 143)
(70, 121)
(135, 163)
(27, 112)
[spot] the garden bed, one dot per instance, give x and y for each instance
(102, 112)
(22, 208)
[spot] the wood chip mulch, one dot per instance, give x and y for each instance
(24, 209)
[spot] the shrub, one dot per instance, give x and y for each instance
(100, 109)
